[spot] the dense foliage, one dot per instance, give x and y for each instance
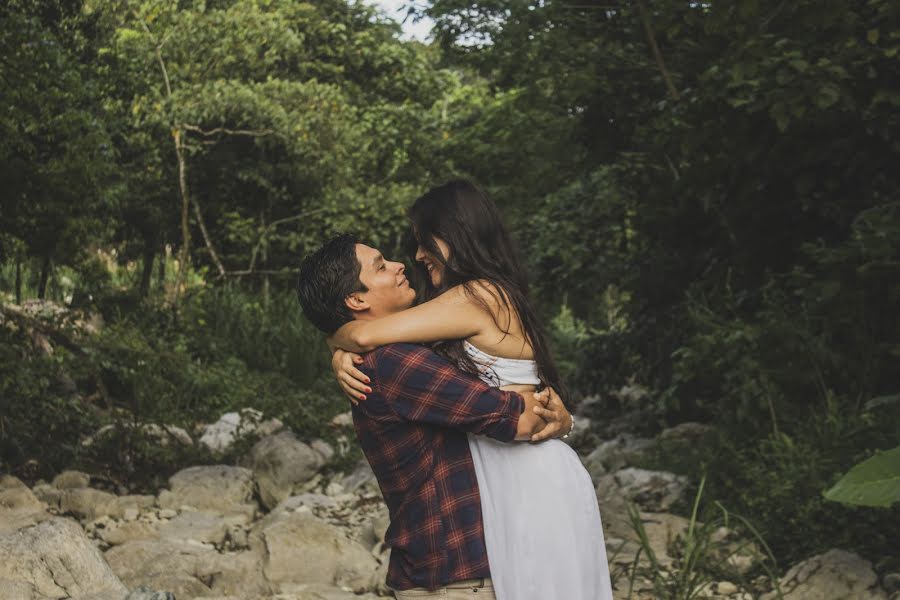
(706, 194)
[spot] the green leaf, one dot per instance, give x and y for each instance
(873, 482)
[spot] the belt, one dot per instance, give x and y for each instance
(482, 582)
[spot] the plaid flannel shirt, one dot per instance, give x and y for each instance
(412, 429)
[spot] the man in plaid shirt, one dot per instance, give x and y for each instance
(413, 426)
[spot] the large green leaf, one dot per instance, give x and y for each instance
(873, 482)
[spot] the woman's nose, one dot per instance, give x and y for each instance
(420, 254)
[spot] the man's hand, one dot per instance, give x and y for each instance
(353, 382)
(554, 413)
(530, 421)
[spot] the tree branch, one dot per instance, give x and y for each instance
(219, 130)
(651, 39)
(206, 240)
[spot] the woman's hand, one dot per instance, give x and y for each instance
(559, 421)
(353, 382)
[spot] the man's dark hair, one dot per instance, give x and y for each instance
(327, 277)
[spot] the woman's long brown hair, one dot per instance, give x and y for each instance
(461, 215)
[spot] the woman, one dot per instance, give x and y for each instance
(541, 522)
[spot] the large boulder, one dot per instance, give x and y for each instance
(54, 559)
(71, 479)
(279, 463)
(219, 436)
(300, 548)
(834, 575)
(19, 507)
(88, 504)
(188, 569)
(220, 488)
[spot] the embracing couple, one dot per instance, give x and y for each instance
(484, 500)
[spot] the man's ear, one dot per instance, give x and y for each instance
(357, 302)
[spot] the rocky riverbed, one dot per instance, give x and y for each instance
(274, 526)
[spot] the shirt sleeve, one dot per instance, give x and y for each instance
(420, 386)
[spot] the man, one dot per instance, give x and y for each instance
(413, 426)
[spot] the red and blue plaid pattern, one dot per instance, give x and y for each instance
(412, 429)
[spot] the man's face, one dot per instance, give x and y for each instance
(388, 289)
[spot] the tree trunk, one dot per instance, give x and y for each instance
(184, 254)
(18, 281)
(264, 256)
(46, 267)
(147, 272)
(163, 257)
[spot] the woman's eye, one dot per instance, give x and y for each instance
(382, 268)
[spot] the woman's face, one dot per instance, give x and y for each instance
(434, 267)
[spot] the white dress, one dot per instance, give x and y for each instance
(541, 521)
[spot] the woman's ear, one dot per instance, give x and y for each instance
(356, 302)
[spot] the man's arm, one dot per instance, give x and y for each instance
(420, 386)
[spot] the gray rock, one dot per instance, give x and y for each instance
(362, 478)
(834, 575)
(623, 451)
(163, 435)
(279, 463)
(219, 436)
(88, 503)
(55, 559)
(71, 479)
(206, 527)
(654, 491)
(219, 488)
(10, 481)
(122, 533)
(299, 548)
(144, 593)
(19, 508)
(160, 565)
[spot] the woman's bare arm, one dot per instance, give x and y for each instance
(452, 315)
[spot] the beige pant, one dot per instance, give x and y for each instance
(471, 589)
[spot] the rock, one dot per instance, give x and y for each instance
(10, 481)
(622, 451)
(726, 588)
(129, 531)
(891, 582)
(655, 491)
(139, 502)
(189, 570)
(47, 493)
(279, 463)
(19, 498)
(88, 503)
(661, 530)
(323, 448)
(55, 559)
(220, 435)
(380, 525)
(19, 508)
(834, 575)
(160, 565)
(144, 593)
(687, 433)
(343, 420)
(217, 488)
(362, 478)
(311, 500)
(317, 591)
(299, 548)
(206, 527)
(71, 479)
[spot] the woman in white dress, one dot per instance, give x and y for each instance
(541, 521)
